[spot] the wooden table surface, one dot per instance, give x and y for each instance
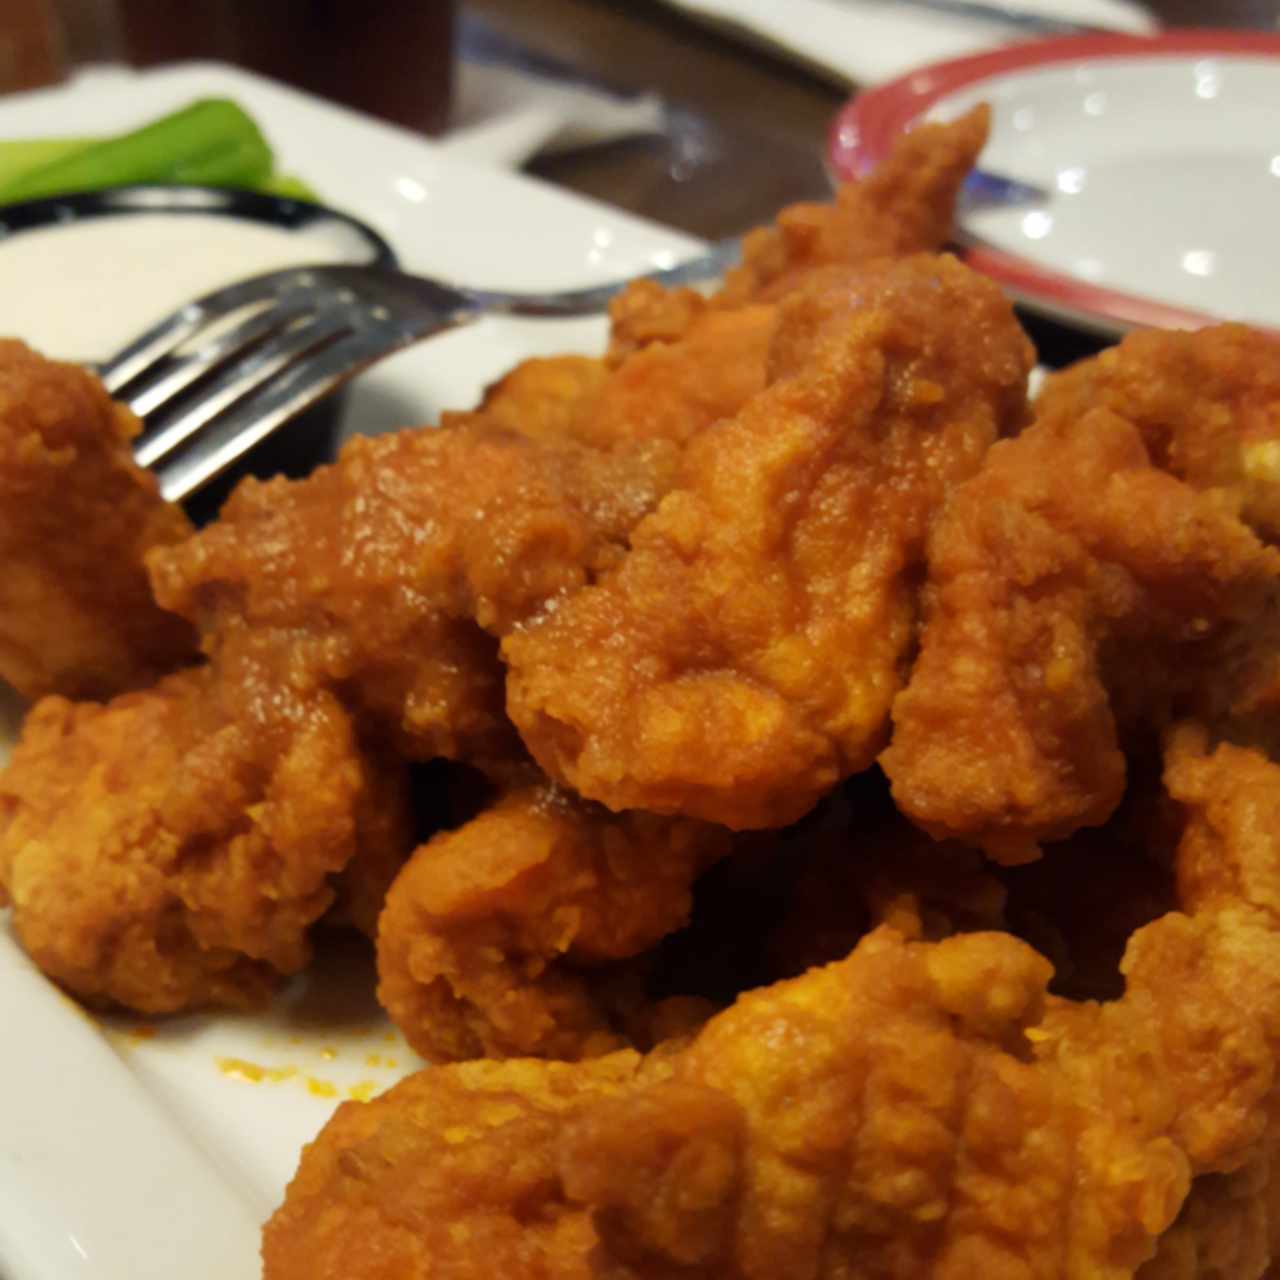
(747, 128)
(745, 131)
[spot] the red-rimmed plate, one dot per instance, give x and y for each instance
(1161, 157)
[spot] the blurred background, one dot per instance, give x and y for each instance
(692, 124)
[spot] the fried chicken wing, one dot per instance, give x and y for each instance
(920, 1108)
(451, 1173)
(1006, 1007)
(1207, 404)
(667, 377)
(894, 1130)
(905, 206)
(384, 573)
(742, 657)
(171, 849)
(934, 1113)
(490, 935)
(1214, 988)
(544, 398)
(77, 516)
(1071, 585)
(1080, 1135)
(679, 361)
(393, 565)
(673, 390)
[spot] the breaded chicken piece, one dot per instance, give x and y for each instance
(491, 933)
(1210, 979)
(451, 1173)
(645, 314)
(393, 565)
(917, 1109)
(874, 1117)
(933, 1113)
(679, 361)
(673, 390)
(743, 656)
(906, 206)
(1071, 585)
(1223, 1230)
(1206, 403)
(660, 381)
(385, 573)
(384, 827)
(77, 516)
(543, 397)
(171, 849)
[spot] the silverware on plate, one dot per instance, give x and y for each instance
(1010, 15)
(225, 371)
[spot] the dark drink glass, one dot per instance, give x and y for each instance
(32, 50)
(390, 58)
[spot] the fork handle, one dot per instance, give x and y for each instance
(1010, 16)
(702, 268)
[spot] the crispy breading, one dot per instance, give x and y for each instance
(385, 836)
(1071, 585)
(925, 1108)
(451, 1173)
(77, 516)
(667, 384)
(919, 1108)
(674, 390)
(492, 932)
(1207, 404)
(743, 656)
(171, 848)
(384, 573)
(543, 398)
(721, 560)
(645, 313)
(905, 206)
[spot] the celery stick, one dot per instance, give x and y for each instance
(288, 184)
(21, 155)
(243, 163)
(212, 140)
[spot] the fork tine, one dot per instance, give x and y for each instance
(219, 403)
(239, 380)
(151, 396)
(146, 351)
(167, 335)
(225, 440)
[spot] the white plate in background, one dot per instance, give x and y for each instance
(1161, 157)
(137, 1151)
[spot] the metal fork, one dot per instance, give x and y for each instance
(226, 370)
(1011, 15)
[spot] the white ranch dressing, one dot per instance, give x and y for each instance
(81, 290)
